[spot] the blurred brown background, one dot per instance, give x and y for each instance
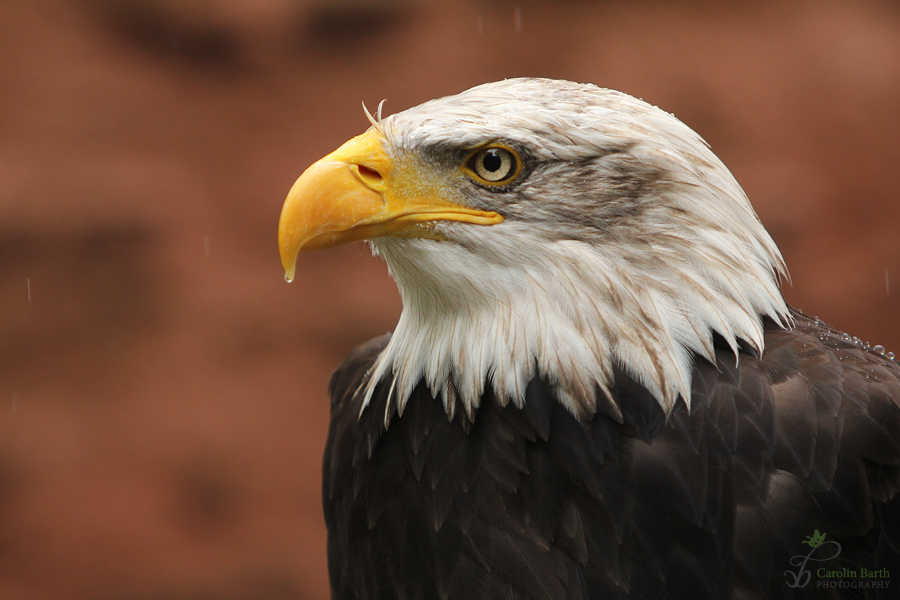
(163, 400)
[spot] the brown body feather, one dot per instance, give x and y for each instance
(530, 503)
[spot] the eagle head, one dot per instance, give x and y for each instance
(544, 228)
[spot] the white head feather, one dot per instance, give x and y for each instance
(627, 243)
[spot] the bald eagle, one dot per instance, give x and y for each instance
(595, 389)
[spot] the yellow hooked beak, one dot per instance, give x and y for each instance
(356, 193)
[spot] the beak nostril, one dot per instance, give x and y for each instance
(369, 175)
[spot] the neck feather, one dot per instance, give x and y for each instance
(568, 314)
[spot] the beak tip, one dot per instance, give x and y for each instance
(290, 268)
(288, 249)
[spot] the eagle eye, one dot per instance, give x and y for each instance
(494, 165)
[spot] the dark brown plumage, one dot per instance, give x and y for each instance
(530, 503)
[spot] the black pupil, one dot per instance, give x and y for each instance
(492, 160)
